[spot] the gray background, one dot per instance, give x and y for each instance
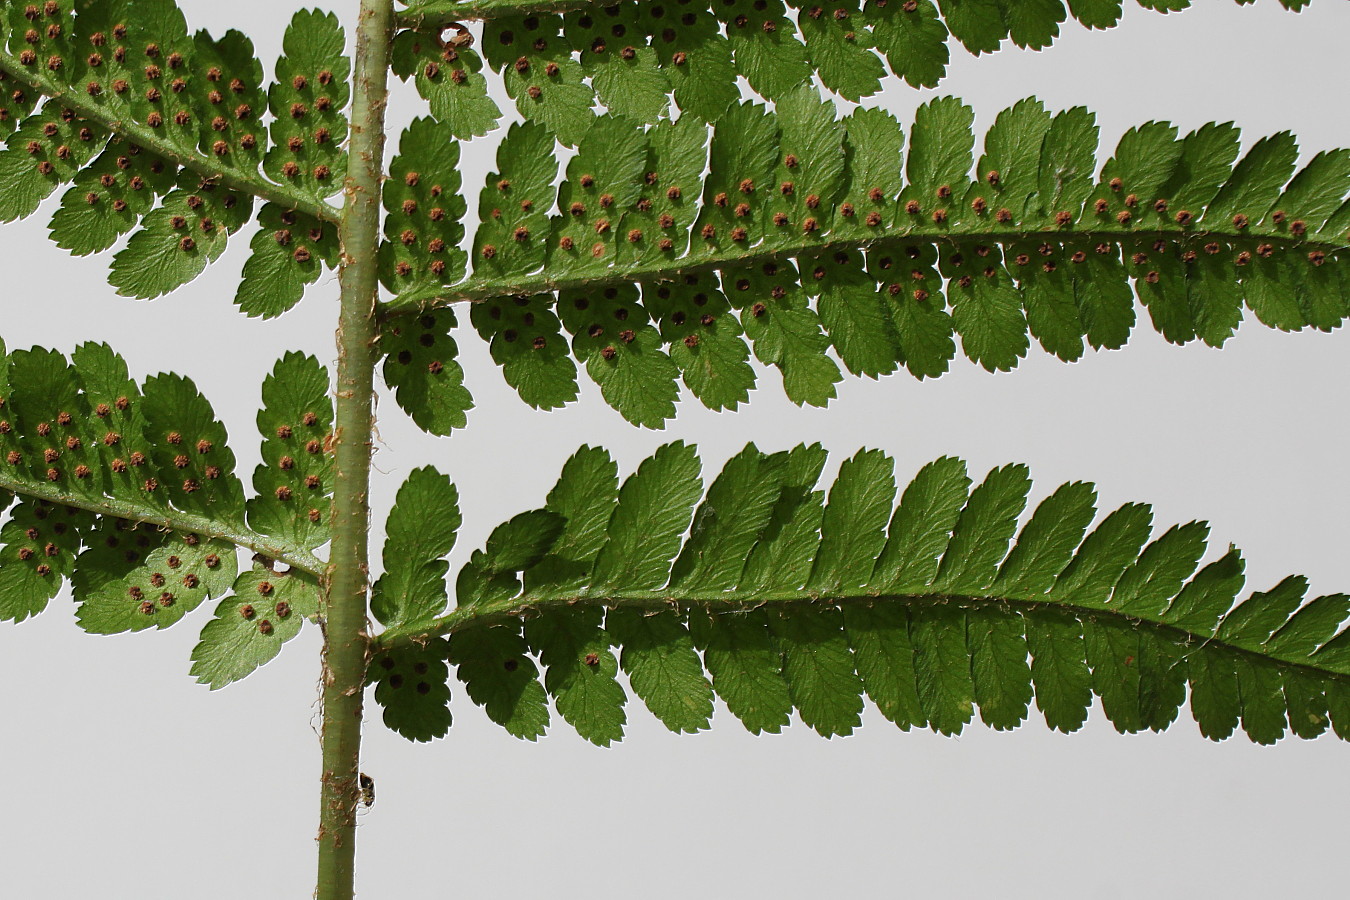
(124, 779)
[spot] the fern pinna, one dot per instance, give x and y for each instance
(690, 227)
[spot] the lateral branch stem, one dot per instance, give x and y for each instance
(470, 617)
(477, 291)
(144, 136)
(295, 557)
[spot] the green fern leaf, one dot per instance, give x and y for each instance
(663, 668)
(1045, 546)
(603, 180)
(421, 367)
(548, 84)
(728, 523)
(806, 233)
(696, 58)
(1105, 554)
(584, 500)
(187, 439)
(653, 511)
(946, 686)
(913, 40)
(580, 672)
(129, 492)
(705, 340)
(884, 657)
(308, 103)
(295, 481)
(134, 108)
(764, 45)
(178, 239)
(1252, 623)
(784, 331)
(1096, 13)
(525, 337)
(522, 542)
(424, 207)
(450, 79)
(1318, 189)
(1008, 173)
(413, 687)
(1254, 186)
(784, 602)
(109, 197)
(746, 668)
(1001, 678)
(620, 63)
(622, 352)
(846, 65)
(130, 577)
(498, 674)
(1206, 597)
(818, 668)
(513, 207)
(39, 541)
(783, 555)
(742, 153)
(983, 530)
(47, 151)
(249, 628)
(941, 145)
(48, 409)
(420, 531)
(920, 527)
(1059, 671)
(666, 205)
(1159, 572)
(853, 530)
(290, 251)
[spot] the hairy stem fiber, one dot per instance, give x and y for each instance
(346, 642)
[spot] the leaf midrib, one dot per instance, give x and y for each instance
(143, 136)
(295, 557)
(475, 290)
(469, 617)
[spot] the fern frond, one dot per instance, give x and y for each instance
(774, 597)
(636, 55)
(160, 133)
(129, 490)
(808, 232)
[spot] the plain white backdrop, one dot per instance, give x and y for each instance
(124, 779)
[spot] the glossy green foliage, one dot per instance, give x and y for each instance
(810, 233)
(780, 596)
(633, 57)
(160, 134)
(129, 491)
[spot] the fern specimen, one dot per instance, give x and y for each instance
(688, 229)
(779, 601)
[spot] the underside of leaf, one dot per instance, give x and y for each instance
(779, 599)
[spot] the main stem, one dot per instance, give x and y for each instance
(346, 643)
